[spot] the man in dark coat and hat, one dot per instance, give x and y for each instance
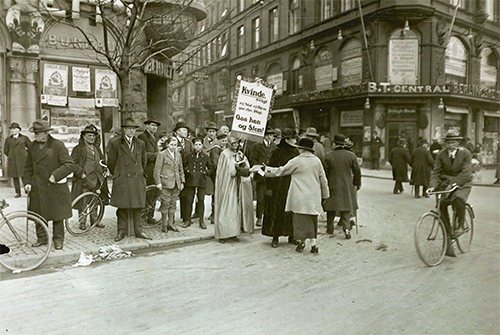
(259, 155)
(453, 166)
(211, 137)
(185, 147)
(45, 177)
(319, 149)
(375, 145)
(344, 180)
(16, 149)
(149, 139)
(422, 164)
(126, 161)
(88, 173)
(399, 159)
(277, 222)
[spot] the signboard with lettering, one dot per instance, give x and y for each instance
(456, 58)
(55, 84)
(352, 71)
(251, 109)
(323, 77)
(160, 69)
(81, 79)
(277, 81)
(403, 61)
(351, 118)
(105, 88)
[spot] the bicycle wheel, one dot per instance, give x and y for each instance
(430, 239)
(88, 209)
(149, 217)
(464, 241)
(19, 232)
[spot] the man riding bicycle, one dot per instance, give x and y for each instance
(453, 166)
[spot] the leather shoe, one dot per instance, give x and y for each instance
(186, 224)
(120, 236)
(17, 195)
(142, 235)
(172, 228)
(259, 223)
(202, 225)
(347, 234)
(82, 226)
(300, 247)
(314, 249)
(275, 242)
(58, 246)
(38, 244)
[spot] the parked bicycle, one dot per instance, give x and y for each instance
(433, 239)
(19, 230)
(89, 206)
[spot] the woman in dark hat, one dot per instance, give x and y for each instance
(16, 149)
(308, 189)
(400, 159)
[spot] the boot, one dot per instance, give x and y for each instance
(164, 219)
(170, 225)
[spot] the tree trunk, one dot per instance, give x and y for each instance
(134, 96)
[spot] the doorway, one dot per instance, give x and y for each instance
(397, 130)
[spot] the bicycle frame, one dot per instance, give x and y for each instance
(10, 226)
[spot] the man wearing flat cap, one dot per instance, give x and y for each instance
(88, 173)
(45, 177)
(16, 149)
(126, 161)
(211, 137)
(149, 139)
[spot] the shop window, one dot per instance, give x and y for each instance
(294, 75)
(323, 69)
(456, 61)
(351, 63)
(326, 9)
(256, 33)
(273, 25)
(490, 139)
(240, 40)
(403, 59)
(293, 17)
(489, 68)
(274, 76)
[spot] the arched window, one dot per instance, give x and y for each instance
(323, 69)
(456, 61)
(294, 75)
(489, 68)
(404, 60)
(274, 76)
(351, 63)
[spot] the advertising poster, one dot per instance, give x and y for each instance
(81, 79)
(403, 61)
(106, 88)
(251, 109)
(55, 84)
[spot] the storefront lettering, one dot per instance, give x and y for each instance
(454, 88)
(158, 68)
(56, 41)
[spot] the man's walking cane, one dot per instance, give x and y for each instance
(356, 211)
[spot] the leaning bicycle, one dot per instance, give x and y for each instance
(433, 239)
(19, 231)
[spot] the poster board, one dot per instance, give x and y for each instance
(252, 103)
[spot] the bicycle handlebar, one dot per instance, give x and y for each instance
(452, 189)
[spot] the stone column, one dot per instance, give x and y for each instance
(23, 95)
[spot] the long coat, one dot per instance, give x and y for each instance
(52, 201)
(151, 153)
(16, 149)
(127, 167)
(259, 154)
(399, 159)
(343, 173)
(375, 145)
(197, 169)
(459, 172)
(79, 156)
(422, 164)
(276, 221)
(168, 170)
(308, 185)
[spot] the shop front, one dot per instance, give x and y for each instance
(491, 134)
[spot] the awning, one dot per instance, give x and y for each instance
(457, 110)
(492, 113)
(284, 110)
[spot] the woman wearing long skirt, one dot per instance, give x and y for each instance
(308, 189)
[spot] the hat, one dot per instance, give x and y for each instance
(15, 125)
(130, 123)
(269, 131)
(277, 132)
(39, 126)
(152, 119)
(197, 139)
(180, 124)
(453, 135)
(89, 129)
(402, 141)
(221, 134)
(339, 139)
(306, 143)
(211, 125)
(311, 131)
(289, 133)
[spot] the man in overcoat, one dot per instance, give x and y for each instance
(88, 174)
(149, 139)
(126, 161)
(259, 155)
(45, 177)
(453, 166)
(399, 159)
(319, 149)
(344, 180)
(16, 149)
(375, 145)
(185, 147)
(422, 164)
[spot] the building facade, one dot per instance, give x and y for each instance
(411, 69)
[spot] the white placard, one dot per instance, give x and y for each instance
(276, 80)
(105, 88)
(323, 77)
(352, 71)
(456, 67)
(55, 84)
(81, 79)
(252, 108)
(403, 61)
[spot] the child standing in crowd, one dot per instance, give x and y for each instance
(169, 178)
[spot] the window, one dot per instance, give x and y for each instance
(209, 52)
(274, 76)
(346, 5)
(294, 75)
(256, 33)
(293, 17)
(404, 60)
(241, 5)
(326, 9)
(224, 50)
(456, 61)
(240, 40)
(273, 25)
(489, 71)
(351, 63)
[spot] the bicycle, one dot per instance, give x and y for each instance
(433, 239)
(19, 230)
(91, 205)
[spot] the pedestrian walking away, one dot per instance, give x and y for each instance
(308, 189)
(16, 149)
(312, 134)
(422, 164)
(126, 162)
(48, 165)
(170, 179)
(399, 158)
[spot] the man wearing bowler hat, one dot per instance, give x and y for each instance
(126, 161)
(149, 139)
(16, 149)
(319, 149)
(45, 177)
(184, 144)
(211, 136)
